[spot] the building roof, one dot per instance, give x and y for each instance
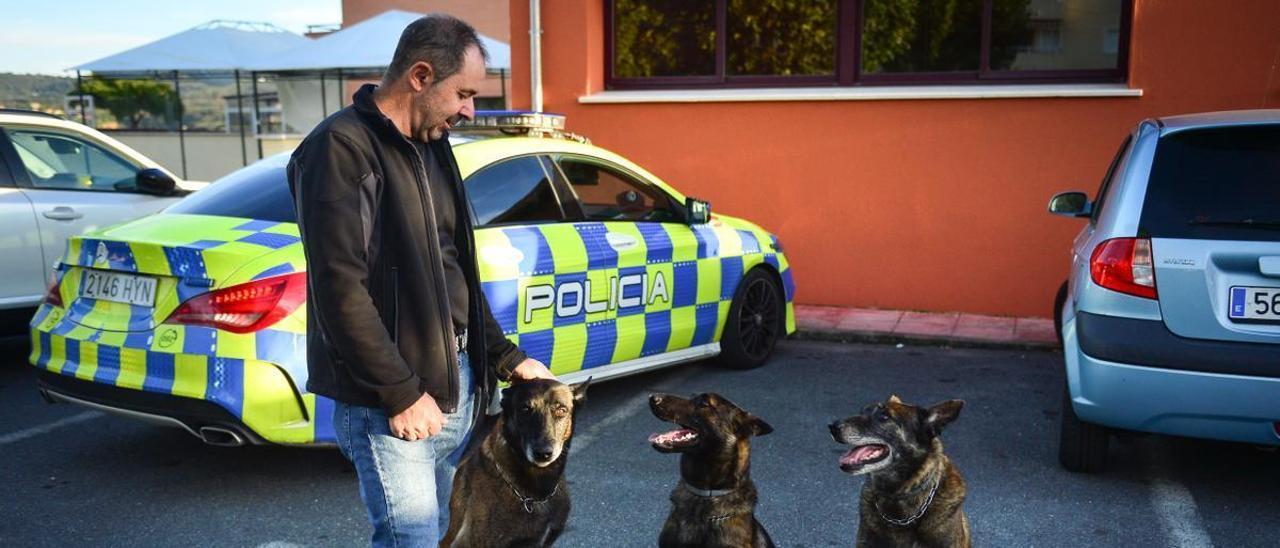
(214, 46)
(368, 44)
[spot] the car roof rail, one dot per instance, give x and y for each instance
(30, 113)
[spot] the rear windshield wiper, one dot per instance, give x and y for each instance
(1242, 223)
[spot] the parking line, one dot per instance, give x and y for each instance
(46, 428)
(625, 411)
(1179, 515)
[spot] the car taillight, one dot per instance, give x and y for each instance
(1124, 265)
(247, 307)
(53, 295)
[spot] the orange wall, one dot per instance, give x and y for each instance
(912, 204)
(489, 17)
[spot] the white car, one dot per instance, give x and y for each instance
(60, 179)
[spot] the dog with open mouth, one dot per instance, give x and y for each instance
(714, 503)
(913, 492)
(511, 490)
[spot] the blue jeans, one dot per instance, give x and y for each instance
(405, 485)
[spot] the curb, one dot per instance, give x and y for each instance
(871, 337)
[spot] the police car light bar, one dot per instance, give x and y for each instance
(513, 121)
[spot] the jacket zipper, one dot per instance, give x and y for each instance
(428, 208)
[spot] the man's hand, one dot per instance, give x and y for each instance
(530, 369)
(420, 421)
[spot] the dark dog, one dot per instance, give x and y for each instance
(714, 503)
(913, 492)
(511, 491)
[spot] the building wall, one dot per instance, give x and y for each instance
(209, 155)
(912, 204)
(490, 17)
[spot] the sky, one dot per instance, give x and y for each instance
(50, 36)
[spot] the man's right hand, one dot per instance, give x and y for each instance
(420, 421)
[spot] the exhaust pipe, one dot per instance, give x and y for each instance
(221, 437)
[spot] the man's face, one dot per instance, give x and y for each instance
(439, 104)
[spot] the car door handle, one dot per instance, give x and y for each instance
(63, 213)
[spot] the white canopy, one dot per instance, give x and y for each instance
(368, 44)
(213, 46)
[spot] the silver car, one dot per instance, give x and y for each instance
(1170, 317)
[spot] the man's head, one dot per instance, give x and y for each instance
(437, 69)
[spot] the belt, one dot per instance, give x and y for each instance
(460, 341)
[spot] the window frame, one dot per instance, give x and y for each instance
(542, 159)
(848, 65)
(628, 174)
(22, 177)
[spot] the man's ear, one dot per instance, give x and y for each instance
(940, 415)
(580, 391)
(758, 426)
(421, 75)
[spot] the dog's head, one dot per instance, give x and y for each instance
(708, 422)
(538, 417)
(890, 433)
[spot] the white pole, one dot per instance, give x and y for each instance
(535, 55)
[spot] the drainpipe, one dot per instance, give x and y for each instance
(535, 55)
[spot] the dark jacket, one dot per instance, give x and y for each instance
(379, 331)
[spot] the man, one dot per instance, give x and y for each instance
(398, 330)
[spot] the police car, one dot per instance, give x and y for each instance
(196, 317)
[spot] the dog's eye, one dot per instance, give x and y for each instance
(526, 409)
(883, 416)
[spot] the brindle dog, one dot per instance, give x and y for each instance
(714, 503)
(913, 492)
(511, 490)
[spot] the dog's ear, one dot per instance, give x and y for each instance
(940, 415)
(508, 394)
(893, 398)
(580, 391)
(757, 426)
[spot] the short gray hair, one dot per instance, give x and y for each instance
(440, 40)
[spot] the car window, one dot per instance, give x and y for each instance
(1215, 184)
(260, 191)
(60, 161)
(516, 190)
(607, 194)
(1112, 174)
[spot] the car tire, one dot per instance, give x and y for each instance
(1059, 302)
(756, 321)
(1082, 446)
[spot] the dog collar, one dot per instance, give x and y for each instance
(923, 507)
(527, 502)
(709, 493)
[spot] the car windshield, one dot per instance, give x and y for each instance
(1215, 184)
(260, 191)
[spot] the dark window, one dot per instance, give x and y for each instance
(726, 43)
(607, 194)
(1215, 184)
(1101, 198)
(260, 191)
(513, 191)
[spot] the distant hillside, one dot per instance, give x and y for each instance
(38, 91)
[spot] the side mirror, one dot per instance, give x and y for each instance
(699, 211)
(154, 181)
(1070, 204)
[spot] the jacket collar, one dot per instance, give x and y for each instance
(364, 104)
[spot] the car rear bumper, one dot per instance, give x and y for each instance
(1146, 398)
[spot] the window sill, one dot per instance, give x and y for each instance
(868, 93)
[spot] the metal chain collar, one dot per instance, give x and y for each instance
(526, 502)
(923, 507)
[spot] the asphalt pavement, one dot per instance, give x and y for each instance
(76, 477)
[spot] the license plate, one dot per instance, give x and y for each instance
(120, 288)
(1259, 304)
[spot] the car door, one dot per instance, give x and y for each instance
(75, 184)
(23, 272)
(547, 283)
(668, 298)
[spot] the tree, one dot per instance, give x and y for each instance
(132, 100)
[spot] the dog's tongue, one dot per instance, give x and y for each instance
(861, 454)
(672, 437)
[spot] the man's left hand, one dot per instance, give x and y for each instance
(530, 369)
